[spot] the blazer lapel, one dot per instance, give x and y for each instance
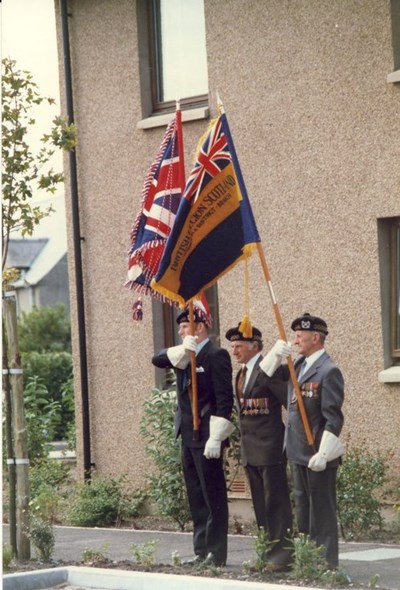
(314, 368)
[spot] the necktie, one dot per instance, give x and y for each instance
(302, 370)
(241, 382)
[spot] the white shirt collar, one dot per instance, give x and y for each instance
(201, 345)
(310, 360)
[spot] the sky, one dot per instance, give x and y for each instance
(28, 36)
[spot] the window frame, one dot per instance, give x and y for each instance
(394, 236)
(159, 107)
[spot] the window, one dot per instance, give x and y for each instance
(395, 14)
(172, 54)
(389, 263)
(395, 287)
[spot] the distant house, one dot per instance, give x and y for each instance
(44, 277)
(42, 262)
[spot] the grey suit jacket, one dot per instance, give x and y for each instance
(322, 388)
(262, 433)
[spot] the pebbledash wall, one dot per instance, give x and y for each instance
(316, 126)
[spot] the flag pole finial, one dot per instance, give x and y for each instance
(177, 104)
(219, 104)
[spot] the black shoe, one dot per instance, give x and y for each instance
(211, 560)
(196, 560)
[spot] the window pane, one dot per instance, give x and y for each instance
(183, 68)
(397, 288)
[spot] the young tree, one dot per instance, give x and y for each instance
(25, 175)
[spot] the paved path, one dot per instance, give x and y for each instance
(363, 562)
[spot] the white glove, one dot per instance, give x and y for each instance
(274, 358)
(189, 343)
(220, 429)
(329, 449)
(178, 356)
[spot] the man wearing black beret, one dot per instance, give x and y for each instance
(202, 459)
(259, 401)
(313, 470)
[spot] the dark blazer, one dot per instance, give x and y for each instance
(262, 434)
(214, 391)
(322, 388)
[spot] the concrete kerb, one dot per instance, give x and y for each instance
(105, 579)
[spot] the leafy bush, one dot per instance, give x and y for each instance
(41, 534)
(42, 418)
(46, 480)
(359, 477)
(309, 561)
(167, 487)
(53, 370)
(100, 502)
(45, 329)
(7, 556)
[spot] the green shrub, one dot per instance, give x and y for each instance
(41, 534)
(46, 480)
(144, 554)
(45, 329)
(7, 556)
(359, 477)
(309, 561)
(94, 556)
(53, 370)
(167, 487)
(42, 418)
(98, 502)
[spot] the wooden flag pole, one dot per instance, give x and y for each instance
(194, 397)
(292, 371)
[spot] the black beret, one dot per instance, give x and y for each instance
(234, 334)
(310, 323)
(197, 316)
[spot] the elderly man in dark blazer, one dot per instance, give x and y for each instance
(313, 470)
(259, 400)
(202, 458)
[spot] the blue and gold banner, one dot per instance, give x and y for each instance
(214, 227)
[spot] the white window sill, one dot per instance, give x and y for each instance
(391, 375)
(163, 120)
(393, 77)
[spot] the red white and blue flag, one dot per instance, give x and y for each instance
(161, 195)
(214, 227)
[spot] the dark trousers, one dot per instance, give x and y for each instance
(315, 500)
(208, 501)
(270, 495)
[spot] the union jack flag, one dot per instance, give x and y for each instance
(212, 157)
(161, 195)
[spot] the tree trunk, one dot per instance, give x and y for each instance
(20, 430)
(10, 446)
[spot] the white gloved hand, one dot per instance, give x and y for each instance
(274, 358)
(189, 343)
(220, 429)
(178, 356)
(329, 449)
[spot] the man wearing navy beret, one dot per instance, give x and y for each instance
(202, 458)
(259, 400)
(313, 469)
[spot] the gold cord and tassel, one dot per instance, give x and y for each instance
(245, 326)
